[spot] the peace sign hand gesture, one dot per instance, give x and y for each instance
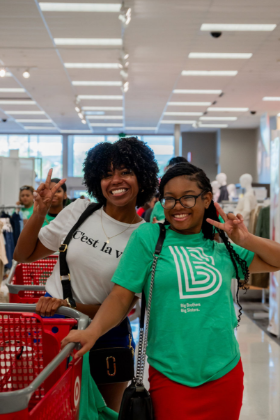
(234, 226)
(44, 195)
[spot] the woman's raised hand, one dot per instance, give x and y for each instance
(234, 226)
(86, 340)
(44, 195)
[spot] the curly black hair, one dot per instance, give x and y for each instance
(196, 174)
(128, 152)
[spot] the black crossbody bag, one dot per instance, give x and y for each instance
(136, 403)
(108, 365)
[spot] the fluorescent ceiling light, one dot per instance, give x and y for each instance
(106, 125)
(189, 103)
(79, 7)
(75, 131)
(89, 41)
(101, 97)
(16, 102)
(216, 109)
(40, 128)
(141, 128)
(24, 112)
(271, 98)
(241, 56)
(186, 114)
(95, 113)
(105, 117)
(102, 108)
(209, 72)
(8, 74)
(91, 65)
(24, 120)
(218, 118)
(12, 90)
(90, 83)
(198, 91)
(221, 27)
(176, 122)
(214, 125)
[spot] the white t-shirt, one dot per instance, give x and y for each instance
(91, 261)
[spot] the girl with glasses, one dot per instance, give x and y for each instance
(195, 366)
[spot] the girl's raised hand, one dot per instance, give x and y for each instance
(44, 195)
(234, 226)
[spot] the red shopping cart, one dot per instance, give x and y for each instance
(36, 380)
(26, 281)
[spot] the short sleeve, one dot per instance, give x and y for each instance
(157, 212)
(135, 264)
(245, 255)
(52, 235)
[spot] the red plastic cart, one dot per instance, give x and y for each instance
(36, 380)
(26, 281)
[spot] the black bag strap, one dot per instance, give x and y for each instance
(158, 249)
(64, 269)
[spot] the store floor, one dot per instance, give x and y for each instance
(261, 362)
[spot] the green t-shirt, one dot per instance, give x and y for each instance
(158, 212)
(48, 219)
(191, 333)
(27, 213)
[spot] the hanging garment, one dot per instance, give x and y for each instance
(15, 222)
(223, 194)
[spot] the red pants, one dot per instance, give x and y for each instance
(216, 400)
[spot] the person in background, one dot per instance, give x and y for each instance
(26, 200)
(158, 213)
(147, 215)
(149, 205)
(58, 201)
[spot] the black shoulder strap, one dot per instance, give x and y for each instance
(158, 249)
(64, 269)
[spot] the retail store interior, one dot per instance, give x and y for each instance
(192, 78)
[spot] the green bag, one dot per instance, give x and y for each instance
(92, 404)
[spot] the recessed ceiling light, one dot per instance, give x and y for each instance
(91, 83)
(24, 112)
(209, 72)
(176, 122)
(106, 117)
(16, 102)
(216, 109)
(24, 120)
(89, 41)
(141, 128)
(75, 131)
(106, 125)
(91, 65)
(214, 125)
(81, 115)
(212, 27)
(39, 128)
(218, 118)
(189, 103)
(271, 98)
(102, 108)
(186, 114)
(79, 7)
(77, 109)
(26, 74)
(101, 97)
(2, 72)
(84, 121)
(12, 90)
(198, 91)
(241, 56)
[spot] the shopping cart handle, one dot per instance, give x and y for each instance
(82, 319)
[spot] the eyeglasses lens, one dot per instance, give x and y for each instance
(188, 202)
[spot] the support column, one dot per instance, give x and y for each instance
(177, 140)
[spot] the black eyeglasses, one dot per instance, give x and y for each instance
(187, 201)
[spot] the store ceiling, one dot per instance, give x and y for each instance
(159, 39)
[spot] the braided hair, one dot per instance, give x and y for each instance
(198, 175)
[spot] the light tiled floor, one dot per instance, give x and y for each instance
(261, 363)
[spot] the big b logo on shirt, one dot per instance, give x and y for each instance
(197, 276)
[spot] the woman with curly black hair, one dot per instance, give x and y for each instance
(120, 176)
(195, 366)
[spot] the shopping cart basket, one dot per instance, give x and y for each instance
(26, 281)
(37, 381)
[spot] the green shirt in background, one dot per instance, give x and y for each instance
(48, 219)
(27, 213)
(191, 332)
(158, 212)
